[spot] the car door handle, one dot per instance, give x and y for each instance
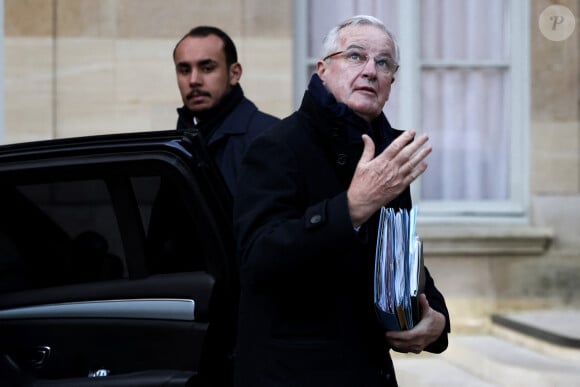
(39, 355)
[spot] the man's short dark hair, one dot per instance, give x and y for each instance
(203, 31)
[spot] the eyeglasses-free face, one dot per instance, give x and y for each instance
(203, 75)
(357, 59)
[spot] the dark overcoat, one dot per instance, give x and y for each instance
(306, 306)
(229, 141)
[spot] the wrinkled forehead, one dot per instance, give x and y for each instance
(368, 37)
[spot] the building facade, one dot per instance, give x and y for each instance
(500, 93)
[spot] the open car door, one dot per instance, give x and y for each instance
(116, 263)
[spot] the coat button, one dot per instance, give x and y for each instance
(315, 219)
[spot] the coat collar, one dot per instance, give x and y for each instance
(340, 122)
(227, 117)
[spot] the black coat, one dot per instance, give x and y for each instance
(229, 141)
(306, 307)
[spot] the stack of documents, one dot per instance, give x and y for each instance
(399, 270)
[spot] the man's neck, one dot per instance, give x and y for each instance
(209, 120)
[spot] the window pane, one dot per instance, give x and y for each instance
(465, 113)
(176, 241)
(465, 91)
(465, 30)
(325, 14)
(58, 233)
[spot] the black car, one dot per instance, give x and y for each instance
(117, 263)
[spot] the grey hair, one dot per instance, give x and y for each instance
(330, 42)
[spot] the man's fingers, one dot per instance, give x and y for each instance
(416, 150)
(424, 303)
(416, 166)
(369, 149)
(408, 154)
(398, 144)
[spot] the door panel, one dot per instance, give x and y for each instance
(113, 268)
(124, 326)
(159, 308)
(81, 346)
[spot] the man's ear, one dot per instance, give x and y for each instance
(321, 69)
(235, 73)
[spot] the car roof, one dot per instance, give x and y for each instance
(103, 141)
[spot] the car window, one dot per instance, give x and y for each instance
(69, 230)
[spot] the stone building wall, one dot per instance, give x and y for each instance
(555, 130)
(76, 67)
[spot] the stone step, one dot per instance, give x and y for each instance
(504, 363)
(533, 348)
(551, 332)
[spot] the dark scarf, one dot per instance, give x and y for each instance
(379, 129)
(209, 120)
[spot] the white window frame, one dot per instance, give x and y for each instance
(515, 208)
